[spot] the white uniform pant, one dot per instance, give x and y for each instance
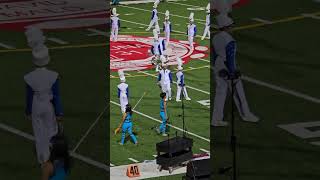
(156, 25)
(190, 39)
(221, 91)
(44, 126)
(179, 89)
(166, 88)
(114, 33)
(123, 102)
(206, 32)
(167, 35)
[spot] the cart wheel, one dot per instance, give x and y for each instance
(170, 170)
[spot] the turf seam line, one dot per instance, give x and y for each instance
(75, 155)
(89, 130)
(157, 120)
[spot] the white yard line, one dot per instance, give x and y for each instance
(154, 155)
(204, 150)
(140, 9)
(75, 155)
(148, 25)
(189, 5)
(204, 60)
(262, 20)
(281, 89)
(89, 130)
(6, 46)
(311, 16)
(96, 32)
(142, 2)
(133, 160)
(58, 41)
(190, 87)
(157, 120)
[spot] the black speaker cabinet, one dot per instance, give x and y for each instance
(174, 152)
(198, 169)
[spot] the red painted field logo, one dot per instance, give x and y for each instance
(52, 14)
(131, 53)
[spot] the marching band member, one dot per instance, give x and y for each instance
(167, 28)
(154, 17)
(192, 30)
(207, 28)
(115, 25)
(123, 91)
(181, 83)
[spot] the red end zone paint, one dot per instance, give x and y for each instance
(130, 53)
(52, 14)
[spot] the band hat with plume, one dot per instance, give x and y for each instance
(208, 8)
(156, 2)
(167, 14)
(224, 6)
(191, 17)
(179, 63)
(155, 34)
(223, 20)
(34, 36)
(114, 12)
(40, 55)
(121, 75)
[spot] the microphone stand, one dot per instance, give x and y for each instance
(182, 106)
(233, 137)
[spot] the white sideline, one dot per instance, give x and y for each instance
(147, 169)
(75, 155)
(283, 90)
(157, 120)
(133, 160)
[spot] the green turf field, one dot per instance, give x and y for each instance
(83, 90)
(280, 64)
(197, 75)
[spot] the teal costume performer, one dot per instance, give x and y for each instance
(127, 125)
(163, 114)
